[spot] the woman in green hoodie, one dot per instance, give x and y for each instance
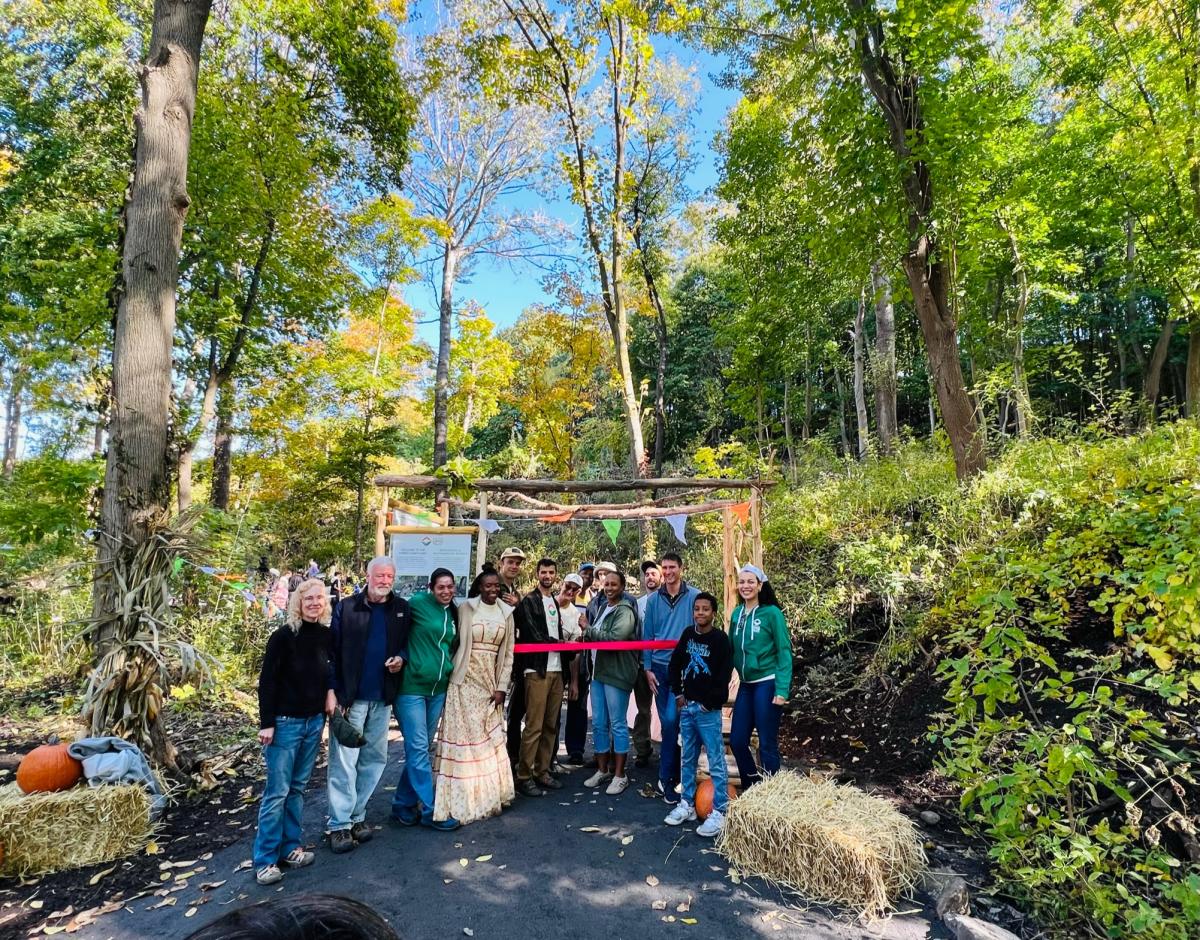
(762, 656)
(428, 662)
(613, 678)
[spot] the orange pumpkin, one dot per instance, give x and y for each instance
(704, 797)
(48, 768)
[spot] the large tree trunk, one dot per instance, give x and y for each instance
(187, 447)
(884, 371)
(660, 378)
(137, 474)
(441, 381)
(1154, 368)
(860, 391)
(896, 90)
(12, 420)
(222, 459)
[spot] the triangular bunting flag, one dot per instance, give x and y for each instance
(560, 517)
(208, 569)
(742, 511)
(678, 523)
(177, 565)
(613, 528)
(489, 525)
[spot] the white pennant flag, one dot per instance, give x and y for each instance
(678, 523)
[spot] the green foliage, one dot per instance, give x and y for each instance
(1075, 676)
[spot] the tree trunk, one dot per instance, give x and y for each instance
(137, 474)
(860, 392)
(187, 448)
(841, 400)
(660, 378)
(222, 459)
(896, 90)
(98, 436)
(1131, 299)
(787, 422)
(1154, 367)
(441, 381)
(368, 416)
(884, 373)
(1191, 385)
(12, 420)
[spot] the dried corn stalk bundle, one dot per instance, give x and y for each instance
(831, 843)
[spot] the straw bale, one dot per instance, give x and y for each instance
(46, 832)
(828, 842)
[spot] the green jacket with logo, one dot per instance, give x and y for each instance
(762, 646)
(432, 640)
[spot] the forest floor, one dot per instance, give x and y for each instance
(200, 865)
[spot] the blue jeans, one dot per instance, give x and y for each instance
(354, 772)
(418, 717)
(610, 707)
(290, 757)
(753, 709)
(701, 726)
(668, 717)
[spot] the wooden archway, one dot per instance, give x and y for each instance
(737, 515)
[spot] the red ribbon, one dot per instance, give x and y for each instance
(596, 645)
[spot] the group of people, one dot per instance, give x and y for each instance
(445, 669)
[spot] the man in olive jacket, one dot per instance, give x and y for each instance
(370, 631)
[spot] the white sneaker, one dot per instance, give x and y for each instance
(683, 812)
(599, 777)
(298, 858)
(268, 875)
(711, 826)
(617, 786)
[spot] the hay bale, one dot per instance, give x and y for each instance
(46, 832)
(833, 844)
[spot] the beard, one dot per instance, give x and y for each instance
(378, 596)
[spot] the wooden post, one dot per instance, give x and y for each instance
(444, 509)
(756, 552)
(381, 520)
(482, 539)
(727, 565)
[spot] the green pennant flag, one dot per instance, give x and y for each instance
(177, 565)
(239, 585)
(613, 528)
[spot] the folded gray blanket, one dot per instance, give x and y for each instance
(114, 760)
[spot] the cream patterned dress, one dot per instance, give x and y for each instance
(472, 776)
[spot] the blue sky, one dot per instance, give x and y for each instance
(504, 290)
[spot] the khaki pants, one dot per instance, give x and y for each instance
(543, 705)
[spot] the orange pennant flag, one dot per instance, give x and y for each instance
(559, 517)
(742, 511)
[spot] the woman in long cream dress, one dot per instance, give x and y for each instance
(472, 774)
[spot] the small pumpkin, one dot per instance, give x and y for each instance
(704, 797)
(48, 768)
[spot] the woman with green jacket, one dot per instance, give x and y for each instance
(762, 656)
(613, 678)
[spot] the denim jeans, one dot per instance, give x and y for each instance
(418, 717)
(668, 717)
(290, 757)
(753, 709)
(701, 726)
(610, 727)
(354, 772)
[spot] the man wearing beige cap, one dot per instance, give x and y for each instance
(509, 567)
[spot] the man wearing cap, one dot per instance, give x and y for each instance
(640, 733)
(668, 613)
(511, 560)
(586, 575)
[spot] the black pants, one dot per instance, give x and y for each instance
(516, 715)
(575, 735)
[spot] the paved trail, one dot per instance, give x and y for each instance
(545, 879)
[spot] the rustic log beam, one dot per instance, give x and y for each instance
(570, 507)
(418, 482)
(592, 512)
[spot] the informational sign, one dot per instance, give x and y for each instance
(417, 554)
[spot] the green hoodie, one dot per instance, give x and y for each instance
(762, 647)
(432, 641)
(618, 668)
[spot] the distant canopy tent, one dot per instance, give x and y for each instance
(519, 500)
